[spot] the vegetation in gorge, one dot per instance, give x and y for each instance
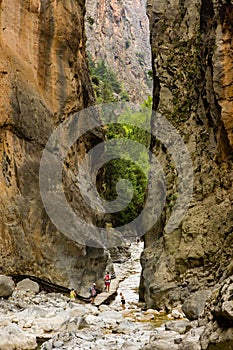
(106, 86)
(132, 164)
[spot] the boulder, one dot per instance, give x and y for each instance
(56, 323)
(6, 286)
(91, 319)
(161, 339)
(227, 309)
(215, 337)
(180, 326)
(28, 285)
(177, 314)
(223, 306)
(152, 312)
(164, 335)
(194, 305)
(111, 315)
(13, 337)
(103, 308)
(161, 345)
(124, 327)
(191, 341)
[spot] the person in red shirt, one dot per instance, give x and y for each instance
(107, 281)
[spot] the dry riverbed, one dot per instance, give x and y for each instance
(51, 321)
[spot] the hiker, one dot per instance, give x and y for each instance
(122, 301)
(93, 293)
(72, 294)
(107, 281)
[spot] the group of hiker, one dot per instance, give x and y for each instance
(107, 282)
(93, 290)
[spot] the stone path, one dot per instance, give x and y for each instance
(104, 296)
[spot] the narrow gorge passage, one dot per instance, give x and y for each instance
(131, 270)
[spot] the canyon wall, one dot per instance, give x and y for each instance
(118, 33)
(192, 44)
(43, 80)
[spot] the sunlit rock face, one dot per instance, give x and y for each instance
(193, 82)
(43, 79)
(118, 33)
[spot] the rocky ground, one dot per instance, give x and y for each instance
(33, 319)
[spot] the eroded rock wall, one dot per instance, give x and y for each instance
(43, 79)
(193, 88)
(118, 33)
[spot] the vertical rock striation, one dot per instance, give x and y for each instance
(43, 79)
(193, 88)
(118, 33)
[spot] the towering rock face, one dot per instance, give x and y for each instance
(118, 33)
(193, 88)
(43, 79)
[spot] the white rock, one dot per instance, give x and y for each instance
(91, 319)
(151, 311)
(4, 321)
(177, 314)
(13, 337)
(78, 311)
(103, 308)
(51, 324)
(113, 315)
(28, 285)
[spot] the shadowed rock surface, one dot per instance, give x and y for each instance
(193, 89)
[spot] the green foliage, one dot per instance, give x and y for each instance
(150, 73)
(106, 86)
(90, 20)
(149, 78)
(148, 103)
(133, 161)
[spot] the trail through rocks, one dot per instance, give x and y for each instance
(31, 320)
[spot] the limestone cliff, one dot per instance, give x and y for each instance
(43, 79)
(193, 87)
(118, 33)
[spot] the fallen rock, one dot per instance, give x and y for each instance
(28, 285)
(6, 286)
(113, 315)
(223, 308)
(103, 308)
(13, 337)
(177, 314)
(164, 335)
(124, 327)
(191, 341)
(194, 305)
(215, 337)
(161, 345)
(180, 326)
(91, 319)
(151, 311)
